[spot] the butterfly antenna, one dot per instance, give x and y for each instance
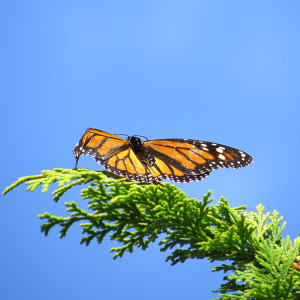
(121, 134)
(132, 135)
(141, 136)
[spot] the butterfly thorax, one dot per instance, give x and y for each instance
(140, 151)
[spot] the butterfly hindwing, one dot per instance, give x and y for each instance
(126, 164)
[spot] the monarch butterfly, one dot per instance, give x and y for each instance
(181, 160)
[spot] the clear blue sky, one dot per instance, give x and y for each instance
(221, 71)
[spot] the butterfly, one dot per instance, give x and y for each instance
(181, 160)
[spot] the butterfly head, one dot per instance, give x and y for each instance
(135, 142)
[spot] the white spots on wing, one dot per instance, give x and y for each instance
(220, 149)
(204, 147)
(242, 154)
(221, 156)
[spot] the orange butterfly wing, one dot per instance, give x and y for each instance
(114, 153)
(185, 160)
(100, 144)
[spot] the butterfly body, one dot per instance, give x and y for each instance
(181, 160)
(140, 151)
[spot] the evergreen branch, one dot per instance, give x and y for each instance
(260, 263)
(63, 177)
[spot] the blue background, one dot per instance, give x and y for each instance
(222, 71)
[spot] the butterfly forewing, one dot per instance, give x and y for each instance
(100, 144)
(194, 157)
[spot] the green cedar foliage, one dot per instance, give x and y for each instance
(256, 259)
